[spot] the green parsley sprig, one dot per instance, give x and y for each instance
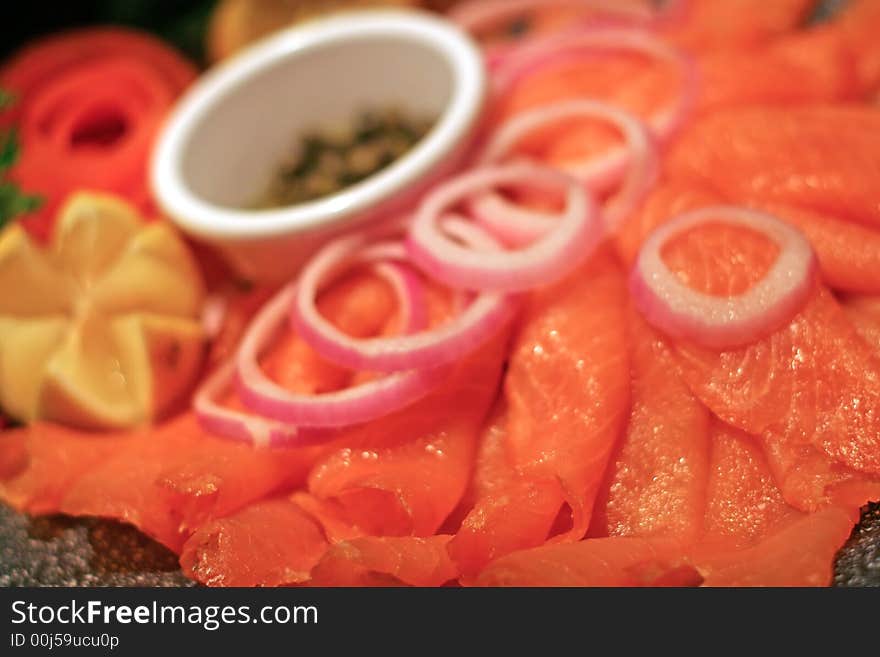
(13, 201)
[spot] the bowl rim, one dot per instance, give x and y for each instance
(200, 217)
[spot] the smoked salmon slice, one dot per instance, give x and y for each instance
(824, 158)
(859, 24)
(773, 73)
(800, 554)
(810, 385)
(386, 561)
(361, 305)
(812, 382)
(567, 385)
(846, 251)
(656, 483)
(405, 473)
(543, 456)
(668, 199)
(594, 562)
(503, 510)
(745, 22)
(269, 543)
(649, 85)
(743, 503)
(174, 478)
(42, 461)
(864, 312)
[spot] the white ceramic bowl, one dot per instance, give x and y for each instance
(234, 128)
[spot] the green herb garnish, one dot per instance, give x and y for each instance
(330, 160)
(13, 201)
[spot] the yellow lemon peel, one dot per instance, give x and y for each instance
(100, 330)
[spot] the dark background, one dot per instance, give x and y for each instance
(181, 22)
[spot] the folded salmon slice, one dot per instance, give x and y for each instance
(332, 517)
(650, 85)
(859, 24)
(174, 478)
(543, 455)
(594, 562)
(656, 483)
(825, 158)
(864, 312)
(666, 200)
(269, 543)
(846, 251)
(799, 554)
(596, 75)
(774, 73)
(386, 561)
(405, 473)
(746, 22)
(41, 462)
(810, 386)
(567, 385)
(503, 510)
(812, 382)
(743, 503)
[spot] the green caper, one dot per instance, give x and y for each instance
(337, 157)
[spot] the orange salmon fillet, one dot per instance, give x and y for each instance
(666, 200)
(504, 510)
(811, 385)
(864, 312)
(859, 24)
(176, 477)
(800, 554)
(774, 73)
(542, 458)
(657, 479)
(269, 543)
(712, 23)
(386, 561)
(405, 473)
(567, 385)
(743, 504)
(594, 562)
(43, 461)
(846, 251)
(825, 158)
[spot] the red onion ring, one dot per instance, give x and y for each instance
(485, 14)
(517, 226)
(574, 237)
(476, 323)
(723, 322)
(243, 427)
(354, 405)
(263, 432)
(542, 53)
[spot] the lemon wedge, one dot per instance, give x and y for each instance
(237, 23)
(100, 329)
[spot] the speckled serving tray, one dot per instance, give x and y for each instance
(61, 551)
